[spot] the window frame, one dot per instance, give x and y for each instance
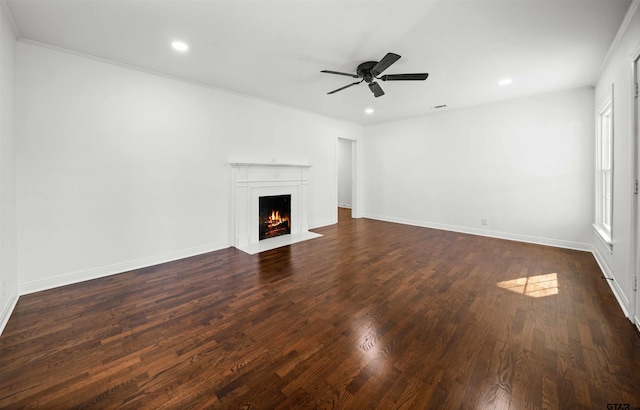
(604, 170)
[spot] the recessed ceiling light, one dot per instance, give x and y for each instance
(368, 111)
(505, 81)
(180, 46)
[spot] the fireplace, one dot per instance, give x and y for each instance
(287, 217)
(274, 214)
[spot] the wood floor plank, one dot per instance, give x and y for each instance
(371, 315)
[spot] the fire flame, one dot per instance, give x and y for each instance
(274, 224)
(275, 218)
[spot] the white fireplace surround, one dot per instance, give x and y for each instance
(249, 182)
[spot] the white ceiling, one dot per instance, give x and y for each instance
(274, 50)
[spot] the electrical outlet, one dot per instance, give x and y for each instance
(485, 221)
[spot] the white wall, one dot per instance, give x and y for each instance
(8, 274)
(119, 168)
(617, 263)
(526, 165)
(345, 165)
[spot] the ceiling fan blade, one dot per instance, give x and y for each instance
(339, 73)
(376, 89)
(404, 77)
(346, 86)
(389, 59)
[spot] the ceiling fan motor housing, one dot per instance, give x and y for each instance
(364, 70)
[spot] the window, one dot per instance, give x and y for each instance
(604, 170)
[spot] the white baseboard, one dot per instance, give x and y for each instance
(558, 243)
(7, 310)
(102, 271)
(613, 284)
(344, 206)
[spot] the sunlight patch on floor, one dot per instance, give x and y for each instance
(535, 286)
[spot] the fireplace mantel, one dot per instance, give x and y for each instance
(252, 180)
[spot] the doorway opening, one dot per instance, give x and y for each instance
(346, 178)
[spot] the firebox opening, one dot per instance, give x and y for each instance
(274, 216)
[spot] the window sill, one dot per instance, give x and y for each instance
(604, 236)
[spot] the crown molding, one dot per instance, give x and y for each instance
(616, 41)
(12, 22)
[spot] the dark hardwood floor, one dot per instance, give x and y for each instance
(371, 315)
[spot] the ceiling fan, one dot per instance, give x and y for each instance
(371, 70)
